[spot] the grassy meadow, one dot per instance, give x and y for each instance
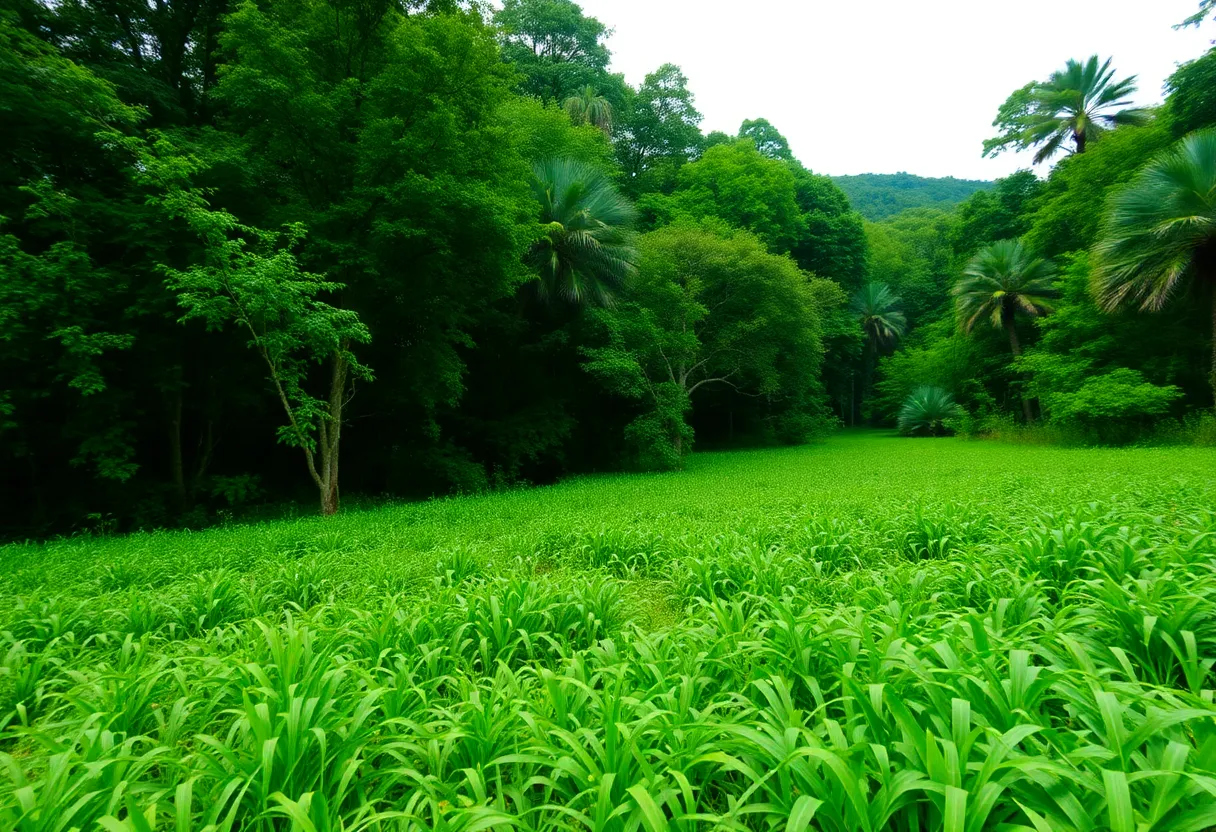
(871, 633)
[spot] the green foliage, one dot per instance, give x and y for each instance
(737, 184)
(877, 196)
(586, 251)
(768, 141)
(928, 411)
(588, 107)
(1004, 280)
(767, 636)
(876, 308)
(710, 308)
(1110, 406)
(658, 130)
(998, 214)
(1192, 95)
(1080, 344)
(1077, 104)
(1067, 215)
(1161, 229)
(558, 51)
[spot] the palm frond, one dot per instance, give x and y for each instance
(1003, 276)
(1159, 227)
(587, 253)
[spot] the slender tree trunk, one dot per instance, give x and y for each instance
(1079, 140)
(1016, 347)
(331, 434)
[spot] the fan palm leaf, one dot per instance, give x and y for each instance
(926, 411)
(1160, 232)
(588, 107)
(1077, 104)
(876, 307)
(1000, 281)
(587, 251)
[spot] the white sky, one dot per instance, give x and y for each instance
(881, 86)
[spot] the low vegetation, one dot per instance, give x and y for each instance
(874, 633)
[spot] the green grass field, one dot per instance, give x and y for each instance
(872, 633)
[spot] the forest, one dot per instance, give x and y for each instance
(877, 196)
(409, 425)
(305, 251)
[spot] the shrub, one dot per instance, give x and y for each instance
(927, 412)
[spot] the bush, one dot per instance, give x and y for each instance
(928, 412)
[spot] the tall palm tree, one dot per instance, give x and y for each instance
(1076, 103)
(1002, 281)
(588, 107)
(876, 309)
(586, 252)
(1160, 233)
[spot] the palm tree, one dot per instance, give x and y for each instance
(586, 252)
(1160, 233)
(1076, 103)
(1001, 281)
(876, 308)
(590, 108)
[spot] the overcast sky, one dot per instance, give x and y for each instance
(889, 85)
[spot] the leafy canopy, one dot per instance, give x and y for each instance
(876, 307)
(1076, 103)
(1161, 229)
(586, 251)
(1001, 281)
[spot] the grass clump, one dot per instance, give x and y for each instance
(877, 633)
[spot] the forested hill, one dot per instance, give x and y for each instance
(879, 195)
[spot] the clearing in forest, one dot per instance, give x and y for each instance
(869, 633)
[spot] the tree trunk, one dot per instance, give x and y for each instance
(331, 434)
(1079, 139)
(1016, 347)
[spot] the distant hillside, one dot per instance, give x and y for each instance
(879, 195)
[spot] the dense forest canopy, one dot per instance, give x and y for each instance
(877, 196)
(256, 252)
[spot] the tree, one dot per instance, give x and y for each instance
(1077, 103)
(736, 184)
(586, 252)
(874, 306)
(250, 278)
(1192, 95)
(1160, 233)
(832, 239)
(557, 49)
(588, 107)
(711, 308)
(767, 139)
(1068, 208)
(393, 153)
(657, 130)
(1002, 281)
